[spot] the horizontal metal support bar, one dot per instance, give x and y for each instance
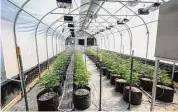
(126, 1)
(92, 14)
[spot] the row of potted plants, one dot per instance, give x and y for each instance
(117, 70)
(82, 91)
(52, 82)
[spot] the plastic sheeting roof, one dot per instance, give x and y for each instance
(52, 25)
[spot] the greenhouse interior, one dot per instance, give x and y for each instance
(89, 55)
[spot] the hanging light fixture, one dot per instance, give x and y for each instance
(68, 18)
(67, 4)
(108, 28)
(142, 11)
(70, 25)
(111, 26)
(71, 30)
(73, 34)
(122, 21)
(152, 7)
(102, 30)
(133, 3)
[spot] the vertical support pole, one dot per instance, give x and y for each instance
(59, 45)
(147, 45)
(56, 44)
(101, 43)
(100, 93)
(52, 46)
(114, 43)
(121, 45)
(47, 56)
(173, 70)
(85, 51)
(108, 43)
(130, 83)
(64, 44)
(123, 50)
(22, 80)
(37, 56)
(154, 84)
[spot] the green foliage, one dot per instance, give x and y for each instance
(82, 76)
(121, 66)
(164, 77)
(52, 76)
(49, 80)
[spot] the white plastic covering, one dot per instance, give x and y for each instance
(107, 15)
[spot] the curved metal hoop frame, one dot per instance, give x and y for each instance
(129, 31)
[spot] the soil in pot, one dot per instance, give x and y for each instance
(164, 93)
(82, 98)
(113, 77)
(136, 95)
(47, 101)
(120, 84)
(146, 84)
(104, 70)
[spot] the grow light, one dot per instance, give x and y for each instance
(145, 11)
(67, 4)
(111, 26)
(71, 30)
(133, 3)
(142, 11)
(72, 34)
(70, 25)
(122, 21)
(68, 18)
(154, 6)
(108, 28)
(102, 30)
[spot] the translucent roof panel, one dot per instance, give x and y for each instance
(89, 18)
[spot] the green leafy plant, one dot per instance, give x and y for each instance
(82, 76)
(163, 77)
(52, 76)
(49, 80)
(121, 66)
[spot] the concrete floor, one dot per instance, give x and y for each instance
(111, 100)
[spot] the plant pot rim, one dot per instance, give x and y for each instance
(120, 80)
(146, 79)
(43, 92)
(164, 87)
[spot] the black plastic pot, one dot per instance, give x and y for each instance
(146, 84)
(113, 77)
(48, 104)
(120, 84)
(104, 70)
(61, 81)
(164, 93)
(136, 95)
(82, 102)
(109, 72)
(58, 89)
